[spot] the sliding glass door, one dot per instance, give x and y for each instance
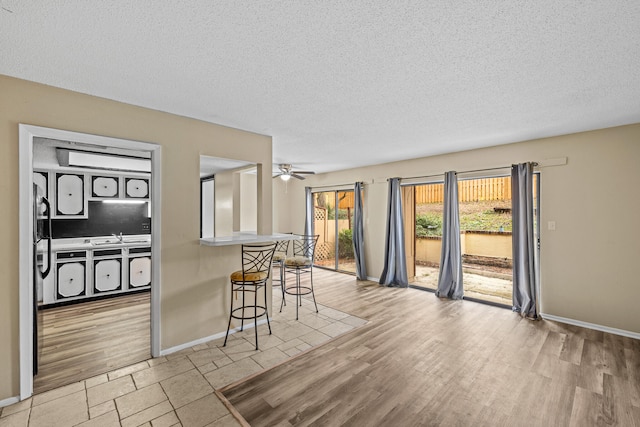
(333, 216)
(485, 235)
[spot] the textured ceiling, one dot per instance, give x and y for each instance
(340, 84)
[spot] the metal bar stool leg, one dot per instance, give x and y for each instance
(266, 312)
(255, 315)
(299, 286)
(230, 315)
(313, 293)
(283, 284)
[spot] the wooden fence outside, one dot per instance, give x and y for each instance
(471, 190)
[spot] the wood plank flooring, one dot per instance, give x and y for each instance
(425, 361)
(87, 339)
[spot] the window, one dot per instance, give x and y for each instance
(207, 189)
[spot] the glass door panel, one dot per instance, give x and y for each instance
(485, 238)
(344, 223)
(333, 216)
(324, 227)
(429, 204)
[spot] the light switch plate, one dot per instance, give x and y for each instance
(551, 225)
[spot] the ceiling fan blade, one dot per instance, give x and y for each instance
(275, 176)
(305, 172)
(297, 176)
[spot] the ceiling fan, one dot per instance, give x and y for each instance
(286, 172)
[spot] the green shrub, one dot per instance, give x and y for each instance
(345, 244)
(428, 224)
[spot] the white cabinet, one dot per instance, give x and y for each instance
(104, 186)
(41, 179)
(71, 275)
(97, 272)
(139, 267)
(136, 188)
(71, 279)
(70, 200)
(107, 270)
(107, 275)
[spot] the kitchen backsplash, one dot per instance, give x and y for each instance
(105, 219)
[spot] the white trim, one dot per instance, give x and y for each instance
(156, 245)
(373, 279)
(9, 401)
(25, 268)
(26, 135)
(207, 339)
(593, 326)
(329, 188)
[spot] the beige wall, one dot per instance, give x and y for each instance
(491, 245)
(248, 202)
(589, 268)
(429, 250)
(194, 294)
(224, 204)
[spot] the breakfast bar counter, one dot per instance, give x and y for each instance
(245, 238)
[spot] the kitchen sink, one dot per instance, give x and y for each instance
(106, 242)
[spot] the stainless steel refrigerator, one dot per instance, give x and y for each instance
(41, 264)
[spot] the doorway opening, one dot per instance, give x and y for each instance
(101, 252)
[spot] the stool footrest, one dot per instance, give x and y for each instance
(298, 290)
(249, 312)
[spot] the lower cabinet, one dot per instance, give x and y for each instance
(107, 270)
(71, 275)
(139, 270)
(99, 272)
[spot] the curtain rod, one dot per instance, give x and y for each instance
(457, 172)
(337, 185)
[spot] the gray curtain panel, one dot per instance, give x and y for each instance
(308, 214)
(450, 277)
(358, 233)
(525, 281)
(395, 264)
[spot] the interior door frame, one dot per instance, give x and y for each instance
(26, 135)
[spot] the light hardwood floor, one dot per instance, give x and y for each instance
(425, 361)
(87, 339)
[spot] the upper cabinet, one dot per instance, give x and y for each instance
(70, 192)
(70, 199)
(136, 188)
(105, 186)
(72, 174)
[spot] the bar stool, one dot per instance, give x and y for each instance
(282, 249)
(302, 262)
(256, 268)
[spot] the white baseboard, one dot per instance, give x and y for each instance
(207, 339)
(373, 279)
(9, 401)
(594, 326)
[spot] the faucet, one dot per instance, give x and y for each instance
(119, 237)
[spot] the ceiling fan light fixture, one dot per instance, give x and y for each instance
(286, 172)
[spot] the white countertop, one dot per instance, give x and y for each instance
(242, 238)
(104, 243)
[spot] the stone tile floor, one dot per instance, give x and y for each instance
(178, 389)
